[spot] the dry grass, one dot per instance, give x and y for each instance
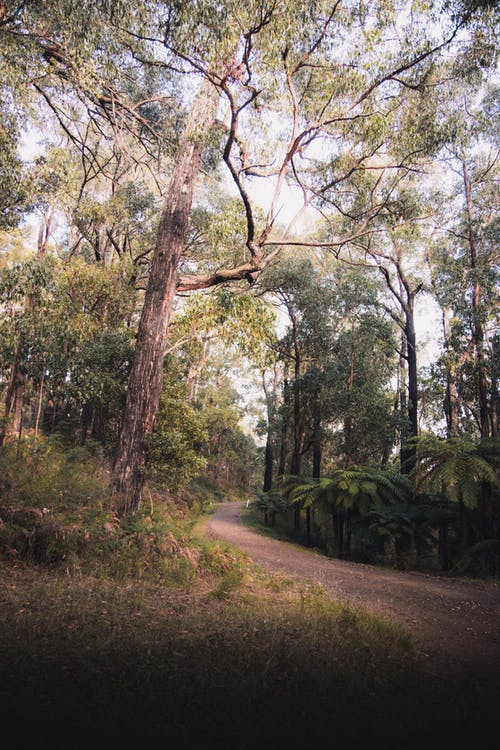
(233, 661)
(139, 632)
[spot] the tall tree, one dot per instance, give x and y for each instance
(280, 71)
(146, 377)
(462, 257)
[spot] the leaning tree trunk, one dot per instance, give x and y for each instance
(146, 377)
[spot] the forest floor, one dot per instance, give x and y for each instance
(455, 621)
(232, 654)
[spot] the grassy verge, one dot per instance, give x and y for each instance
(137, 631)
(231, 661)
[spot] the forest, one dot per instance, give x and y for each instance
(248, 251)
(258, 248)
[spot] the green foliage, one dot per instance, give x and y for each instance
(14, 182)
(334, 91)
(65, 324)
(271, 502)
(178, 444)
(46, 494)
(356, 488)
(57, 511)
(238, 319)
(457, 466)
(338, 354)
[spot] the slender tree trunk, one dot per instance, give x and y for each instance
(494, 415)
(348, 418)
(451, 404)
(14, 398)
(271, 419)
(403, 401)
(477, 325)
(317, 456)
(284, 429)
(410, 452)
(405, 295)
(298, 427)
(146, 377)
(268, 465)
(39, 404)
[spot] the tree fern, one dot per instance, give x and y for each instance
(456, 467)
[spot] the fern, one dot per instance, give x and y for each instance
(456, 466)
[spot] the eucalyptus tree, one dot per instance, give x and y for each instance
(360, 369)
(272, 64)
(304, 298)
(400, 267)
(64, 327)
(306, 95)
(463, 259)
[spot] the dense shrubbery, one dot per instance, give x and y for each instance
(57, 510)
(447, 518)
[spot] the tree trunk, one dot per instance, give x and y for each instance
(477, 325)
(348, 418)
(494, 411)
(284, 429)
(14, 399)
(411, 354)
(317, 457)
(451, 402)
(298, 427)
(271, 419)
(39, 405)
(268, 464)
(146, 377)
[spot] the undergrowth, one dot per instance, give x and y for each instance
(138, 631)
(57, 510)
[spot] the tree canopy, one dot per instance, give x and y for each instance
(196, 198)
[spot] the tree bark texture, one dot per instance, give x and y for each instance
(146, 377)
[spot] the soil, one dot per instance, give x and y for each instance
(455, 621)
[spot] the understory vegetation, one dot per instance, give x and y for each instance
(126, 629)
(247, 251)
(444, 517)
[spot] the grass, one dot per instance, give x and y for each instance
(230, 662)
(138, 631)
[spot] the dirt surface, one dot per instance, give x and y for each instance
(456, 621)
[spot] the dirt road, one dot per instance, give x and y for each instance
(455, 620)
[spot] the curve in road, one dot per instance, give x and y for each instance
(455, 620)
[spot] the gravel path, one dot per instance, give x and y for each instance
(456, 621)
